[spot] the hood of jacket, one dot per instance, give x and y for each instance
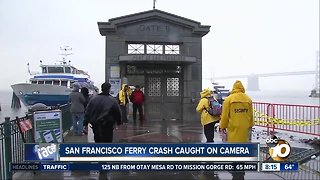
(206, 93)
(238, 87)
(122, 87)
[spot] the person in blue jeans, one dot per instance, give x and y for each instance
(77, 109)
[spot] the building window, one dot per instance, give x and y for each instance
(172, 49)
(154, 49)
(135, 48)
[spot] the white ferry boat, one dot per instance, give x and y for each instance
(53, 84)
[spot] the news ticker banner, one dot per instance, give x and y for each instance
(224, 166)
(95, 152)
(283, 166)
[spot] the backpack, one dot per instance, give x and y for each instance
(215, 108)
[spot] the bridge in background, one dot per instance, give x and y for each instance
(253, 79)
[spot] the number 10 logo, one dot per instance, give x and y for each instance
(279, 149)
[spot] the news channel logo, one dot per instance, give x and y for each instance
(41, 152)
(279, 149)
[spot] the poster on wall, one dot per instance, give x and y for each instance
(48, 126)
(115, 86)
(114, 71)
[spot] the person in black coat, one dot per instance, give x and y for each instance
(102, 112)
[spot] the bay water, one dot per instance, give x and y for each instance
(283, 97)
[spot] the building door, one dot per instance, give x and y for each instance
(163, 97)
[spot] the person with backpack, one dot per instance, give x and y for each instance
(237, 118)
(209, 113)
(137, 99)
(123, 100)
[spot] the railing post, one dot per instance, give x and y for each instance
(273, 116)
(270, 113)
(268, 122)
(7, 147)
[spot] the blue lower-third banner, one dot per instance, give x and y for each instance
(206, 152)
(109, 152)
(226, 166)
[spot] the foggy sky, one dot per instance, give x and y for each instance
(246, 36)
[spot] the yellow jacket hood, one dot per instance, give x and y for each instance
(237, 114)
(122, 87)
(206, 93)
(238, 87)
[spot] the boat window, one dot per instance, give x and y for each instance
(64, 83)
(40, 82)
(71, 84)
(67, 69)
(48, 82)
(55, 70)
(44, 69)
(74, 71)
(34, 82)
(56, 82)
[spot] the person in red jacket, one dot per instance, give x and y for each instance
(137, 99)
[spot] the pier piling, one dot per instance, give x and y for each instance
(15, 103)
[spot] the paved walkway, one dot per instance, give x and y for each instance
(149, 132)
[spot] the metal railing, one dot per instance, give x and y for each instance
(295, 118)
(302, 119)
(12, 139)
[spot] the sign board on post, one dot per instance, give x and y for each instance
(48, 126)
(115, 86)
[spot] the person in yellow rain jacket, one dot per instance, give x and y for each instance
(237, 114)
(237, 118)
(123, 101)
(208, 121)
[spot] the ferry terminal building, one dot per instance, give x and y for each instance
(162, 53)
